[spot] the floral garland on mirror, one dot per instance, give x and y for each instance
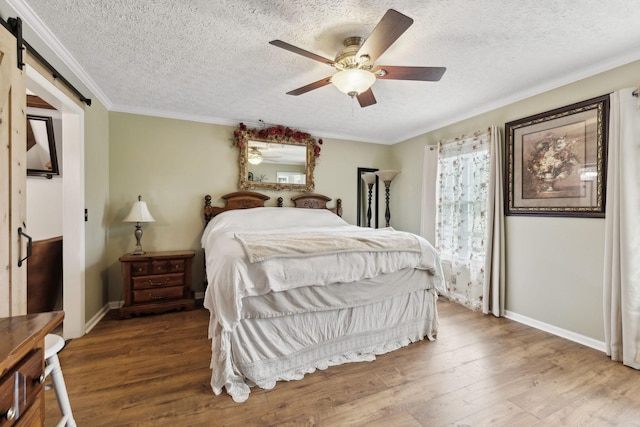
(278, 133)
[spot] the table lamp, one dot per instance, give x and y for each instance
(139, 213)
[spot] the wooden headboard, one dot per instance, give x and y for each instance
(251, 199)
(314, 201)
(236, 200)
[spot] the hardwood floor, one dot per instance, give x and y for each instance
(480, 371)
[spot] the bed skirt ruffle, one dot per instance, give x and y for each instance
(260, 352)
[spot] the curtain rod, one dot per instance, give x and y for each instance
(14, 26)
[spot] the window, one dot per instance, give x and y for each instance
(461, 215)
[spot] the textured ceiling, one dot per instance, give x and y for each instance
(210, 60)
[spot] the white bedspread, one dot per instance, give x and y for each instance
(232, 277)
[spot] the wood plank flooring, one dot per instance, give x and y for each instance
(480, 371)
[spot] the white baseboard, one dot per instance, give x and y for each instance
(96, 318)
(100, 315)
(563, 333)
(113, 305)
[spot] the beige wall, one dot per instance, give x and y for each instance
(173, 164)
(554, 265)
(96, 184)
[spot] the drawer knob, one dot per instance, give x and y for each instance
(152, 283)
(41, 378)
(11, 414)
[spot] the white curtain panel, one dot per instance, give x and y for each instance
(622, 231)
(494, 283)
(429, 177)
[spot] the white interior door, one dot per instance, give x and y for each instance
(13, 173)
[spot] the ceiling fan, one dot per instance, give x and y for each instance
(355, 63)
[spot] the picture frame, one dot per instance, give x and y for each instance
(556, 161)
(42, 159)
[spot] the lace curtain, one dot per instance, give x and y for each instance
(462, 214)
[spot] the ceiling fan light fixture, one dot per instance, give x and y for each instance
(255, 156)
(353, 81)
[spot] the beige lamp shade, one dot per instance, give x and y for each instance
(369, 178)
(387, 175)
(139, 212)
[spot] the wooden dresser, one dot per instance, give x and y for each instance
(157, 282)
(22, 367)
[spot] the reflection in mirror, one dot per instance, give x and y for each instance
(279, 163)
(41, 147)
(367, 209)
(276, 158)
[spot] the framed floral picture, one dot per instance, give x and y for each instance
(556, 161)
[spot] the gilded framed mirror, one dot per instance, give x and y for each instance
(276, 158)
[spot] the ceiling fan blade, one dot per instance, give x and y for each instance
(390, 27)
(310, 87)
(294, 49)
(366, 98)
(426, 74)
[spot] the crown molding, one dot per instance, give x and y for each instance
(225, 122)
(533, 91)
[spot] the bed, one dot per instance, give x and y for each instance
(295, 289)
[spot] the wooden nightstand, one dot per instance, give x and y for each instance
(157, 282)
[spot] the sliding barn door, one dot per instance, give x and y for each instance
(13, 173)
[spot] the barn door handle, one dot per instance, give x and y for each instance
(29, 245)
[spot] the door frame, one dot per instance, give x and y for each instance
(73, 228)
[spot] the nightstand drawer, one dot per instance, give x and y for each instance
(157, 267)
(158, 281)
(175, 265)
(160, 294)
(166, 266)
(140, 268)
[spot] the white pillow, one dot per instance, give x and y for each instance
(271, 217)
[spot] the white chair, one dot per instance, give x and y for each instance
(52, 346)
